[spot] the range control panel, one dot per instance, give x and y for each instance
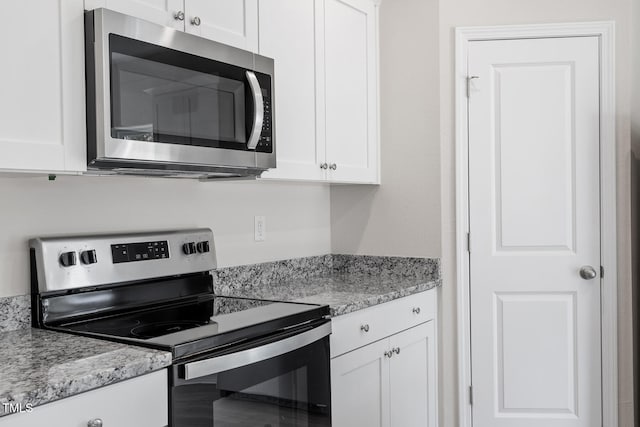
(73, 262)
(130, 252)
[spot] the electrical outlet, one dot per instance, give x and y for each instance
(260, 229)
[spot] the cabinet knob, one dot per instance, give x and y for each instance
(388, 354)
(396, 350)
(96, 422)
(364, 328)
(416, 310)
(324, 166)
(333, 166)
(179, 16)
(195, 21)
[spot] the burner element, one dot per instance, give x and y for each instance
(163, 328)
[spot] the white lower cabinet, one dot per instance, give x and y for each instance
(138, 402)
(390, 382)
(412, 377)
(360, 387)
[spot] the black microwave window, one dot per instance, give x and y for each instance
(160, 95)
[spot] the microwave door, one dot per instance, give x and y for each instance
(258, 110)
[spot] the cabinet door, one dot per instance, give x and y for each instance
(351, 81)
(360, 387)
(232, 22)
(163, 12)
(42, 106)
(287, 35)
(412, 377)
(138, 402)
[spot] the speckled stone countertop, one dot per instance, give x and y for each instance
(351, 283)
(41, 366)
(346, 293)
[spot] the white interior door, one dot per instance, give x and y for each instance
(534, 208)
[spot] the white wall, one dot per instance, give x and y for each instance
(402, 216)
(503, 12)
(297, 216)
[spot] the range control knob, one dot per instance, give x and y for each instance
(67, 259)
(203, 246)
(88, 257)
(189, 248)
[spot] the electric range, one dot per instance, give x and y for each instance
(236, 361)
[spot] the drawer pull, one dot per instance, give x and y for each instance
(388, 354)
(416, 310)
(364, 328)
(97, 422)
(396, 350)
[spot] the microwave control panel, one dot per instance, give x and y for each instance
(265, 144)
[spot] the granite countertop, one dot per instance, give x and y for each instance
(343, 292)
(41, 366)
(346, 293)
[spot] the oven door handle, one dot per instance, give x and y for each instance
(258, 110)
(230, 361)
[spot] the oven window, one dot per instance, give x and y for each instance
(292, 390)
(162, 95)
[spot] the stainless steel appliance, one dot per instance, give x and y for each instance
(164, 102)
(241, 362)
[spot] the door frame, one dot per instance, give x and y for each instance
(605, 31)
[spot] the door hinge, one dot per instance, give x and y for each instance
(469, 79)
(601, 272)
(470, 395)
(469, 242)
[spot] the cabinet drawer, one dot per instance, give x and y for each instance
(365, 326)
(138, 402)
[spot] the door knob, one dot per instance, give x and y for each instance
(587, 272)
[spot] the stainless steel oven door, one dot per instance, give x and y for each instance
(283, 381)
(155, 94)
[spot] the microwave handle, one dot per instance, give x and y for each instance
(258, 104)
(230, 361)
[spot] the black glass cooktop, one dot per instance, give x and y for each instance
(201, 325)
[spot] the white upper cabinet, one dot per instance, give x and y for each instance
(42, 105)
(232, 22)
(351, 82)
(162, 12)
(287, 35)
(326, 91)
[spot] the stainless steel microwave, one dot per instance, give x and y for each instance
(167, 103)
